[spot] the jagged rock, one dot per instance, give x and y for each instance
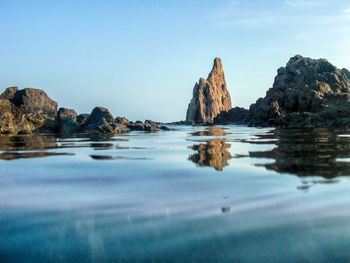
(235, 115)
(101, 121)
(307, 92)
(67, 113)
(82, 117)
(14, 120)
(210, 96)
(9, 93)
(33, 102)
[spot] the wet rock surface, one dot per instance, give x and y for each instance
(210, 97)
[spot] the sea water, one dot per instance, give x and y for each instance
(192, 194)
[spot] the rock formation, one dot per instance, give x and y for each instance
(305, 93)
(12, 119)
(210, 97)
(100, 121)
(33, 102)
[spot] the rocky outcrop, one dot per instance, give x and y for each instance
(33, 102)
(210, 97)
(305, 93)
(100, 121)
(306, 88)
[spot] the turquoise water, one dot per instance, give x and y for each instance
(195, 194)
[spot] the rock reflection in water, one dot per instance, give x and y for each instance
(211, 131)
(212, 153)
(308, 153)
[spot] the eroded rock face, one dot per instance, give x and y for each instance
(307, 92)
(33, 102)
(14, 120)
(210, 96)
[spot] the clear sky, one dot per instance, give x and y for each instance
(141, 58)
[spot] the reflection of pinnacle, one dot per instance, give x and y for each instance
(212, 153)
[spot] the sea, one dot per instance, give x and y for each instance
(192, 194)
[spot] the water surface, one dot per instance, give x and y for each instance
(195, 194)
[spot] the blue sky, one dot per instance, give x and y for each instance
(141, 58)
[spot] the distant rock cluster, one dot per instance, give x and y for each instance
(306, 93)
(32, 110)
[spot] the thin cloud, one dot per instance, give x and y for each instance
(303, 3)
(245, 15)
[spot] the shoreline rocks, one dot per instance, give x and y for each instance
(32, 110)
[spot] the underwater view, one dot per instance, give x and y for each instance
(192, 194)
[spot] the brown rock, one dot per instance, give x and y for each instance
(210, 96)
(33, 102)
(14, 120)
(100, 121)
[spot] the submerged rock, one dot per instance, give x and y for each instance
(33, 102)
(210, 96)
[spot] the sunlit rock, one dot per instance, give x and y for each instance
(210, 96)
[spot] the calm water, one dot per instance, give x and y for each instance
(195, 194)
